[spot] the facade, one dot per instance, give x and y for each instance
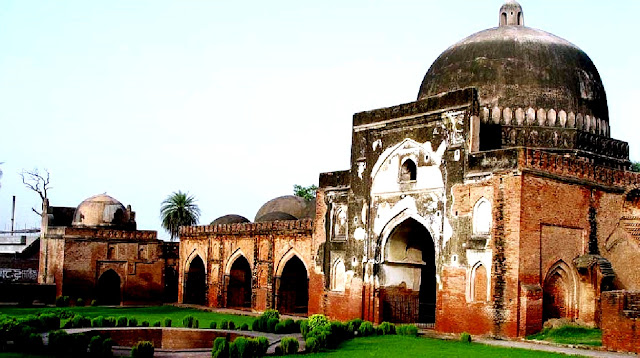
(94, 251)
(494, 202)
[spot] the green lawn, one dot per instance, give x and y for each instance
(150, 314)
(570, 335)
(404, 347)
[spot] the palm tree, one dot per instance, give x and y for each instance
(178, 209)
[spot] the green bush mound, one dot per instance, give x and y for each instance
(190, 322)
(407, 330)
(241, 347)
(570, 334)
(465, 337)
(289, 345)
(143, 349)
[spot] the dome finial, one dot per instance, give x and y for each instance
(511, 14)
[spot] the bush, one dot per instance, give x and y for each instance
(271, 314)
(80, 302)
(122, 321)
(59, 342)
(213, 325)
(96, 346)
(232, 325)
(386, 328)
(157, 324)
(78, 321)
(239, 348)
(318, 320)
(167, 322)
(311, 345)
(263, 345)
(354, 324)
(107, 347)
(366, 329)
(133, 322)
(271, 324)
(97, 322)
(304, 328)
(142, 349)
(244, 327)
(189, 321)
(62, 301)
(94, 303)
(49, 321)
(79, 341)
(34, 343)
(110, 322)
(465, 337)
(289, 345)
(145, 324)
(407, 330)
(220, 348)
(224, 324)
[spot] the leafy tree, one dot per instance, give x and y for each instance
(306, 192)
(635, 166)
(178, 209)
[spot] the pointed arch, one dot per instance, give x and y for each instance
(398, 219)
(109, 288)
(292, 285)
(560, 292)
(482, 217)
(195, 282)
(191, 257)
(288, 256)
(236, 254)
(338, 275)
(479, 283)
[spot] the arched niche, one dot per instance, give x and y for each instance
(239, 283)
(195, 282)
(109, 288)
(292, 287)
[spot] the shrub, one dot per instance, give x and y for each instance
(336, 333)
(224, 324)
(320, 335)
(167, 322)
(244, 327)
(78, 321)
(157, 324)
(145, 324)
(96, 346)
(289, 345)
(263, 345)
(407, 330)
(142, 349)
(110, 322)
(33, 322)
(79, 343)
(232, 325)
(366, 329)
(94, 303)
(80, 302)
(318, 320)
(59, 342)
(304, 328)
(239, 348)
(465, 337)
(386, 328)
(213, 325)
(271, 324)
(122, 321)
(188, 321)
(107, 347)
(133, 322)
(311, 345)
(259, 324)
(271, 314)
(220, 348)
(62, 301)
(49, 321)
(354, 324)
(97, 322)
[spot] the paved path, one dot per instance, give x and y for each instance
(555, 348)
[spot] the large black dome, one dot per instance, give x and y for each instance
(513, 66)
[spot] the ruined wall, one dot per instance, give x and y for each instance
(620, 320)
(267, 247)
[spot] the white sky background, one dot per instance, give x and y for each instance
(236, 101)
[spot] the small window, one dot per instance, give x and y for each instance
(111, 253)
(408, 170)
(482, 217)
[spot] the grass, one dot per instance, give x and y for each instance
(570, 334)
(149, 314)
(403, 346)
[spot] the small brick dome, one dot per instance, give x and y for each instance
(230, 219)
(101, 211)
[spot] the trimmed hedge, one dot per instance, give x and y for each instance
(167, 322)
(143, 349)
(289, 345)
(407, 330)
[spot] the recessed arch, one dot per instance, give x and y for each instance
(109, 288)
(236, 254)
(338, 275)
(195, 285)
(238, 283)
(408, 170)
(288, 256)
(292, 286)
(396, 220)
(479, 281)
(482, 217)
(559, 292)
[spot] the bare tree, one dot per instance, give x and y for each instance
(38, 182)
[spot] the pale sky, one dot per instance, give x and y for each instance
(236, 101)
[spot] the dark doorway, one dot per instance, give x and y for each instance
(239, 288)
(195, 283)
(293, 294)
(170, 285)
(109, 288)
(554, 299)
(410, 250)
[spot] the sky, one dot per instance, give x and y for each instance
(234, 102)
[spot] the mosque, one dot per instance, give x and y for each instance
(494, 202)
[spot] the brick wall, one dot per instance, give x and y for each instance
(620, 319)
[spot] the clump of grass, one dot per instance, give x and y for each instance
(570, 334)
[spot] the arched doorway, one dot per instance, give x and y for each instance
(409, 275)
(239, 286)
(109, 288)
(293, 291)
(557, 291)
(195, 283)
(170, 285)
